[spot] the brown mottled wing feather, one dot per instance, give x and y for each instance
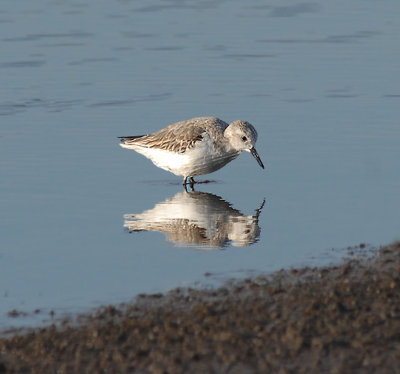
(173, 138)
(180, 136)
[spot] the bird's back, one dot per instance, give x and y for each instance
(178, 137)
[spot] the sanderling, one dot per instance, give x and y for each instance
(195, 147)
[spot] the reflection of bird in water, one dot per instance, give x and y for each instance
(195, 147)
(198, 219)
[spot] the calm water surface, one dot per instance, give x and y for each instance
(84, 222)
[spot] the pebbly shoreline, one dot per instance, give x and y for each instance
(338, 319)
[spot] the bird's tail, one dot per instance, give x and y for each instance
(129, 139)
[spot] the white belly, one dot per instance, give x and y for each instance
(199, 160)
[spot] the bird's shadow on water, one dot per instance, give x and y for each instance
(198, 220)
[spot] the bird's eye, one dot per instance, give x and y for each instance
(244, 138)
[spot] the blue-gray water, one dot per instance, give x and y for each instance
(319, 81)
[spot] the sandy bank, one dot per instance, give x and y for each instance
(338, 319)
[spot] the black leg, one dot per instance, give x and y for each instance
(191, 182)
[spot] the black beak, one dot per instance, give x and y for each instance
(256, 156)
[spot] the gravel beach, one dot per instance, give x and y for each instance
(338, 319)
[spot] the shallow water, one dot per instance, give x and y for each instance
(320, 82)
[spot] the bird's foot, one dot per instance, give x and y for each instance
(191, 182)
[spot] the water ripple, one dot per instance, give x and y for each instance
(155, 97)
(10, 108)
(22, 64)
(294, 10)
(339, 38)
(30, 37)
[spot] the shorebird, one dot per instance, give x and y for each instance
(195, 147)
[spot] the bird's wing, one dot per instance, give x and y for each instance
(180, 136)
(172, 138)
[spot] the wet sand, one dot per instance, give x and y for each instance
(337, 319)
